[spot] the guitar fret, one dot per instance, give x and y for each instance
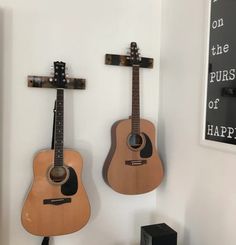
(59, 128)
(135, 100)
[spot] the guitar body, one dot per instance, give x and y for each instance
(51, 209)
(133, 171)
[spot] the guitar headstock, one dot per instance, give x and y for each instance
(135, 58)
(59, 79)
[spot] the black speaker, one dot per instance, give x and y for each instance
(158, 234)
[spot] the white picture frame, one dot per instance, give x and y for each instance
(205, 142)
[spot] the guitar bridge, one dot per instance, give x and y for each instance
(135, 162)
(56, 201)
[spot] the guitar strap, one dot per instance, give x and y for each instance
(46, 239)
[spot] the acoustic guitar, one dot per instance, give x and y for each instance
(133, 165)
(57, 203)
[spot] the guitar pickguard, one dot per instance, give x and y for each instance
(71, 185)
(146, 152)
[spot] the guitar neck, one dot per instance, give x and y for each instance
(135, 101)
(59, 128)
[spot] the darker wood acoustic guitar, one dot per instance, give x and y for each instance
(133, 165)
(57, 202)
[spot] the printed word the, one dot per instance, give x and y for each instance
(218, 49)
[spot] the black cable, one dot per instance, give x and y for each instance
(46, 239)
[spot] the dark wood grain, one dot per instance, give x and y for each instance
(123, 60)
(44, 82)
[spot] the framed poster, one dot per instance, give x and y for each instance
(219, 129)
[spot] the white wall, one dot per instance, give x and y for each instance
(33, 34)
(198, 196)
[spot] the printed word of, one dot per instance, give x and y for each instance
(214, 104)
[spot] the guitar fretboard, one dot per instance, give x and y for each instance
(59, 128)
(135, 101)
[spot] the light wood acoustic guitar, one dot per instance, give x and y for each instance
(57, 202)
(133, 165)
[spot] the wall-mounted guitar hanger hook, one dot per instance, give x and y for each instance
(125, 60)
(48, 82)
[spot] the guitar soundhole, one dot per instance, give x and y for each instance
(58, 174)
(135, 141)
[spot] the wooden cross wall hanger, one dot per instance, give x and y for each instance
(125, 60)
(56, 81)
